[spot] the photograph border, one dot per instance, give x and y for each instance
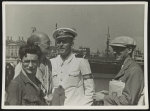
(146, 106)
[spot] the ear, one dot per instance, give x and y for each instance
(130, 50)
(38, 64)
(36, 43)
(72, 44)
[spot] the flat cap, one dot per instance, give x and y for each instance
(64, 32)
(123, 41)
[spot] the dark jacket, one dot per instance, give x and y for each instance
(9, 75)
(22, 91)
(132, 75)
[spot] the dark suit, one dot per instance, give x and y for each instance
(132, 75)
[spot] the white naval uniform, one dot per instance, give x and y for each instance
(69, 74)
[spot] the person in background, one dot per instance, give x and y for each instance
(70, 74)
(25, 89)
(9, 74)
(130, 74)
(44, 70)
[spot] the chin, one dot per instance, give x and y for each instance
(118, 59)
(62, 54)
(30, 72)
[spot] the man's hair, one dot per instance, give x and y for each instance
(29, 49)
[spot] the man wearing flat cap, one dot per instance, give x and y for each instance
(130, 76)
(71, 73)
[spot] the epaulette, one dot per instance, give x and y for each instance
(78, 55)
(88, 76)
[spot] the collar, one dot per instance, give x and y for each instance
(44, 60)
(67, 60)
(128, 61)
(26, 79)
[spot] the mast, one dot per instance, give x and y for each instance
(56, 29)
(107, 43)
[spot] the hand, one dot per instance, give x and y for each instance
(98, 96)
(105, 92)
(48, 98)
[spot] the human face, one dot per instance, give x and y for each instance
(64, 46)
(45, 45)
(120, 52)
(30, 63)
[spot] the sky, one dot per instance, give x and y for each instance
(90, 21)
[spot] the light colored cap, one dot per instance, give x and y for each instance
(123, 41)
(64, 32)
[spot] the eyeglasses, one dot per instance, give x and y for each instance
(32, 61)
(118, 49)
(46, 43)
(64, 41)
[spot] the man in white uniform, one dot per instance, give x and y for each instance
(71, 73)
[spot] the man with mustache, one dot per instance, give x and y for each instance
(71, 73)
(130, 74)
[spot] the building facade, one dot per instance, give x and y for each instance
(12, 47)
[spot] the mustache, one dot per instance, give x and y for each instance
(60, 47)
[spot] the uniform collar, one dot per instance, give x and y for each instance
(67, 60)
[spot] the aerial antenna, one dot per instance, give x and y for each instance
(33, 29)
(56, 26)
(56, 29)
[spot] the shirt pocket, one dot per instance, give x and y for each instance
(55, 79)
(74, 78)
(74, 73)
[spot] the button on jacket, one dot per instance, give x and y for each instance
(132, 75)
(69, 74)
(22, 91)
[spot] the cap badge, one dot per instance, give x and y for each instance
(61, 32)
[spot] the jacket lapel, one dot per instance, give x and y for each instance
(126, 65)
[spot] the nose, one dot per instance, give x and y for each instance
(61, 43)
(114, 52)
(49, 47)
(30, 64)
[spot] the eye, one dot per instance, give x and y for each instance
(34, 61)
(48, 43)
(58, 42)
(26, 61)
